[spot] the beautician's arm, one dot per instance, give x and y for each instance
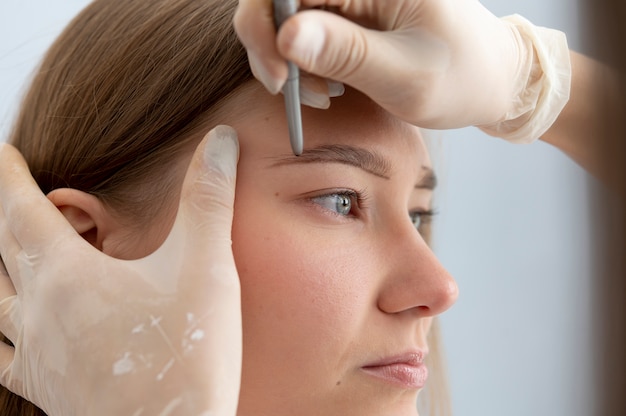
(94, 335)
(586, 129)
(442, 64)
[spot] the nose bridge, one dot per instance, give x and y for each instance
(414, 278)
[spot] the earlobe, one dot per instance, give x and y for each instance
(84, 212)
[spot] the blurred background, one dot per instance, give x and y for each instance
(514, 228)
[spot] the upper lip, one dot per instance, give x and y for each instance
(411, 358)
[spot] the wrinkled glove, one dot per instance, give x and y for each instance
(95, 335)
(438, 64)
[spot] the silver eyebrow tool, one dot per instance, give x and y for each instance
(283, 9)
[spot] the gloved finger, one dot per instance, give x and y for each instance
(209, 188)
(10, 317)
(316, 92)
(9, 252)
(28, 214)
(306, 40)
(207, 203)
(381, 64)
(197, 258)
(254, 24)
(201, 234)
(3, 270)
(7, 356)
(6, 286)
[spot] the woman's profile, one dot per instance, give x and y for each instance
(339, 287)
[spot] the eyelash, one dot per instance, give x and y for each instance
(425, 218)
(358, 200)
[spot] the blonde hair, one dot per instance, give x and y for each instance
(127, 87)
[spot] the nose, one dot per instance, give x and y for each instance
(414, 278)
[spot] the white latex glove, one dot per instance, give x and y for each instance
(94, 335)
(435, 63)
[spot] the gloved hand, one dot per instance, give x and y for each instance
(435, 63)
(94, 335)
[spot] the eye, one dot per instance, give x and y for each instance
(342, 203)
(420, 218)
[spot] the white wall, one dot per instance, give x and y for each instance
(27, 27)
(513, 229)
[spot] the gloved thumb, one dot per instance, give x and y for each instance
(208, 192)
(200, 239)
(330, 46)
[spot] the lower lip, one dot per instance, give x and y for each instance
(400, 374)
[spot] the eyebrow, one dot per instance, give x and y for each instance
(359, 157)
(428, 179)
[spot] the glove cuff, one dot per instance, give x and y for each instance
(546, 74)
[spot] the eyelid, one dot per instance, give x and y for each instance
(425, 217)
(429, 212)
(359, 198)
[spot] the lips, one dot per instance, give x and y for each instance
(405, 370)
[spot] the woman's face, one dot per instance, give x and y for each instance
(338, 287)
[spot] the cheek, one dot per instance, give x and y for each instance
(282, 274)
(295, 284)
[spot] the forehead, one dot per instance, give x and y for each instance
(352, 119)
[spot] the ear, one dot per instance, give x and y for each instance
(86, 213)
